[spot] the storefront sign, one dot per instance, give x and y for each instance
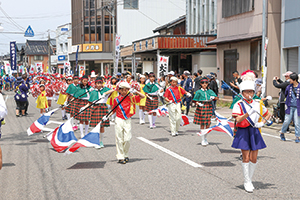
(61, 58)
(92, 47)
(162, 66)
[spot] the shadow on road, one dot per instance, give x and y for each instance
(218, 164)
(260, 186)
(161, 139)
(8, 164)
(88, 165)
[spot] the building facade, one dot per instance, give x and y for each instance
(290, 41)
(239, 39)
(92, 34)
(201, 17)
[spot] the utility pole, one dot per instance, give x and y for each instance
(49, 51)
(264, 48)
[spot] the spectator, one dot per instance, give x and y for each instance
(235, 83)
(278, 83)
(162, 83)
(214, 87)
(25, 79)
(292, 94)
(197, 81)
(20, 96)
(187, 84)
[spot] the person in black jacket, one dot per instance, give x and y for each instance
(214, 87)
(278, 83)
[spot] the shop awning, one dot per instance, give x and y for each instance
(235, 38)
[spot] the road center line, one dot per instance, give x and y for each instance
(274, 136)
(175, 155)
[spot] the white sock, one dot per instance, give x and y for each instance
(154, 118)
(141, 114)
(86, 129)
(76, 122)
(101, 137)
(150, 120)
(81, 130)
(113, 116)
(63, 113)
(68, 115)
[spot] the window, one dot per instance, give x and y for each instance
(255, 55)
(38, 57)
(235, 7)
(99, 33)
(66, 45)
(131, 4)
(61, 47)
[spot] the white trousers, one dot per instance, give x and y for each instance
(174, 117)
(123, 136)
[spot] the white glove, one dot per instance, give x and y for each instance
(251, 111)
(269, 98)
(81, 109)
(150, 98)
(212, 98)
(259, 125)
(104, 118)
(66, 103)
(188, 94)
(132, 90)
(200, 104)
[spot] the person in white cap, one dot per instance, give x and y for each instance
(173, 95)
(124, 112)
(248, 136)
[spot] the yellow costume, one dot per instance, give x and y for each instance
(112, 96)
(143, 100)
(42, 101)
(61, 99)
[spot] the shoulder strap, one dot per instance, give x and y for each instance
(244, 112)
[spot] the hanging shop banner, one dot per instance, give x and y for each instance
(162, 66)
(39, 67)
(31, 70)
(81, 70)
(13, 57)
(118, 51)
(7, 68)
(67, 69)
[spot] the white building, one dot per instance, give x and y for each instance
(137, 18)
(63, 45)
(201, 17)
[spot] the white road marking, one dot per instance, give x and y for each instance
(6, 98)
(175, 155)
(55, 122)
(274, 136)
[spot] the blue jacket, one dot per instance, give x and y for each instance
(21, 93)
(189, 84)
(288, 94)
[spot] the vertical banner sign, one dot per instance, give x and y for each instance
(7, 68)
(264, 69)
(162, 66)
(31, 69)
(13, 57)
(118, 41)
(76, 70)
(67, 68)
(39, 67)
(81, 70)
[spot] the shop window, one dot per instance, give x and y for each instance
(86, 34)
(99, 33)
(93, 33)
(235, 7)
(39, 58)
(106, 31)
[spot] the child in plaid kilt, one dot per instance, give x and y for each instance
(100, 109)
(203, 113)
(151, 90)
(83, 94)
(71, 101)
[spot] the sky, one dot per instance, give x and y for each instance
(41, 15)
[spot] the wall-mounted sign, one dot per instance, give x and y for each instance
(64, 29)
(96, 47)
(61, 58)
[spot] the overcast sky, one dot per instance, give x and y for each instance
(40, 14)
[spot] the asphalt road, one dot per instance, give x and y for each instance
(160, 167)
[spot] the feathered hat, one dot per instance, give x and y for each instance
(248, 78)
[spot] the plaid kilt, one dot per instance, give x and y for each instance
(203, 114)
(85, 115)
(72, 106)
(152, 104)
(98, 111)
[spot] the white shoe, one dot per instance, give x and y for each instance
(143, 122)
(247, 182)
(176, 133)
(151, 127)
(204, 141)
(112, 120)
(173, 134)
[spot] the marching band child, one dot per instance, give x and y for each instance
(41, 101)
(99, 110)
(83, 95)
(248, 137)
(151, 90)
(63, 96)
(143, 100)
(110, 100)
(124, 112)
(203, 113)
(71, 101)
(173, 95)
